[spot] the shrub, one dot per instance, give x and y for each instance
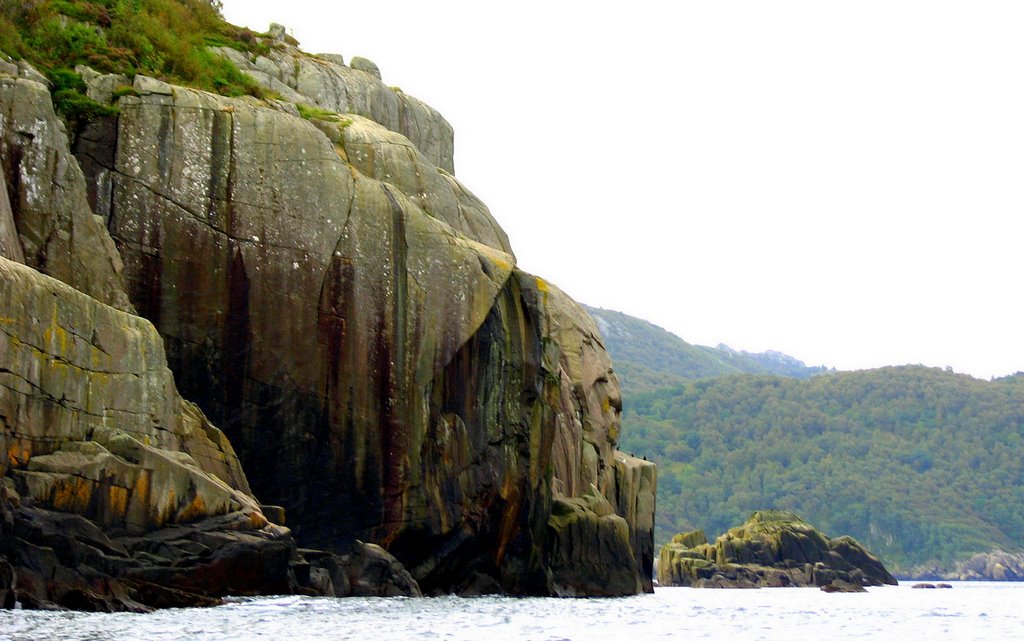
(168, 39)
(70, 101)
(310, 112)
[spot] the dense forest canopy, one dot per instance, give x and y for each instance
(922, 465)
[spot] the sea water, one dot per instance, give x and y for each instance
(990, 611)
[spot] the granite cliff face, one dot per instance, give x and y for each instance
(46, 219)
(336, 302)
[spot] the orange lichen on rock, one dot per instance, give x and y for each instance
(72, 494)
(257, 521)
(19, 453)
(117, 501)
(195, 509)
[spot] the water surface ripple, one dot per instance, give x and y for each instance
(968, 611)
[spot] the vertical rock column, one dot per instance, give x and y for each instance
(56, 230)
(601, 528)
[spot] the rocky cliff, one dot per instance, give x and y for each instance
(772, 549)
(335, 301)
(995, 565)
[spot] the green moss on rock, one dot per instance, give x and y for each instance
(772, 549)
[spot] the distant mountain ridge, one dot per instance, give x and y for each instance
(647, 356)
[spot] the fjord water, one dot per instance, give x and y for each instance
(968, 611)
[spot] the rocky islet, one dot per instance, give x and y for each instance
(771, 549)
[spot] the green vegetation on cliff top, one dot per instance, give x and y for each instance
(168, 39)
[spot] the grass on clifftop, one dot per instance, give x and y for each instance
(167, 39)
(310, 112)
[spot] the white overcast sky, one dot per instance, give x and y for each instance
(840, 181)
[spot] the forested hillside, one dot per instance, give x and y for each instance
(921, 465)
(647, 356)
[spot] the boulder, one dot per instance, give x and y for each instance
(772, 549)
(842, 586)
(366, 66)
(374, 572)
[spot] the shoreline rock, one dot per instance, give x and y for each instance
(995, 565)
(772, 549)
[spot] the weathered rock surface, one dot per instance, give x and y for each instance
(115, 493)
(772, 549)
(92, 423)
(332, 297)
(366, 570)
(45, 199)
(51, 560)
(997, 565)
(390, 158)
(992, 566)
(610, 485)
(349, 314)
(591, 553)
(10, 246)
(323, 81)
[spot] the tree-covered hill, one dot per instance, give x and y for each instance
(647, 356)
(921, 465)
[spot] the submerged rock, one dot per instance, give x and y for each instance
(772, 549)
(838, 585)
